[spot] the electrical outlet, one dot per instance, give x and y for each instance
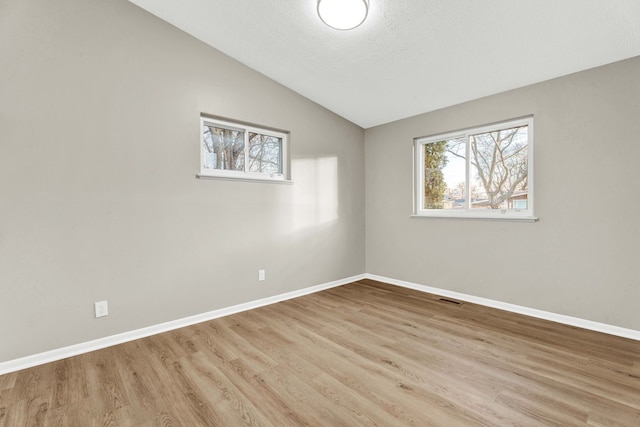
(261, 275)
(102, 309)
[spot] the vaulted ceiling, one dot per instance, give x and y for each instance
(411, 56)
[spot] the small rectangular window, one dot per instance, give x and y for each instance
(232, 150)
(484, 172)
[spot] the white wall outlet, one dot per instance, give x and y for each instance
(102, 309)
(261, 275)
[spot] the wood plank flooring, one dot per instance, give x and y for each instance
(363, 354)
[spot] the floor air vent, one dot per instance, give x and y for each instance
(449, 301)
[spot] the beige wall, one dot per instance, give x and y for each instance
(99, 118)
(581, 258)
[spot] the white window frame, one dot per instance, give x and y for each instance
(247, 129)
(467, 212)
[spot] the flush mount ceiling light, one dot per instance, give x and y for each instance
(343, 14)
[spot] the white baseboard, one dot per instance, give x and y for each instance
(554, 317)
(76, 349)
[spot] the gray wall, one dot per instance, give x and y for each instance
(99, 107)
(99, 132)
(581, 258)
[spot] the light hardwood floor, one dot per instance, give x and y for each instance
(363, 354)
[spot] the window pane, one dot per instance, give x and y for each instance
(444, 177)
(499, 166)
(265, 153)
(223, 148)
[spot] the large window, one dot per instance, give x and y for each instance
(232, 150)
(484, 172)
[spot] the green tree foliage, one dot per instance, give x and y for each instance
(435, 160)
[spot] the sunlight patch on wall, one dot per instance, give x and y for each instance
(315, 192)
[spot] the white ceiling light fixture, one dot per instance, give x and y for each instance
(343, 14)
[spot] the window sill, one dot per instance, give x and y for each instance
(478, 218)
(227, 178)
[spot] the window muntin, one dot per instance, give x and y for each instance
(233, 150)
(484, 172)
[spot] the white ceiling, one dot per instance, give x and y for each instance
(411, 56)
